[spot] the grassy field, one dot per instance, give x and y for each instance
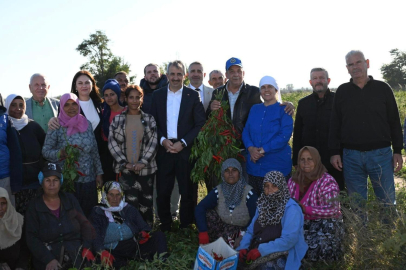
(376, 245)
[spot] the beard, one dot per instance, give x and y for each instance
(154, 83)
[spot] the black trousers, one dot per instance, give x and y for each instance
(171, 166)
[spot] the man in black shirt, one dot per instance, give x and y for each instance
(365, 122)
(312, 121)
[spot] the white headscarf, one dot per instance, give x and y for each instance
(108, 209)
(11, 224)
(271, 80)
(18, 123)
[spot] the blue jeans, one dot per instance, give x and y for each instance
(378, 165)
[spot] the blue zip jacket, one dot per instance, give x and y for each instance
(292, 238)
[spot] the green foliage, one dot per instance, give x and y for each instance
(216, 142)
(101, 61)
(394, 73)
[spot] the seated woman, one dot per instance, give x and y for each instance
(56, 227)
(228, 209)
(14, 253)
(317, 191)
(31, 139)
(266, 136)
(276, 229)
(122, 234)
(75, 129)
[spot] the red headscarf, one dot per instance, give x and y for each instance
(303, 179)
(75, 124)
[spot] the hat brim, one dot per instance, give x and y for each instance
(52, 173)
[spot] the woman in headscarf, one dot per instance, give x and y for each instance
(317, 193)
(14, 253)
(274, 239)
(112, 106)
(31, 138)
(122, 234)
(133, 143)
(266, 136)
(228, 209)
(57, 230)
(76, 130)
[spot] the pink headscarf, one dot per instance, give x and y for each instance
(75, 124)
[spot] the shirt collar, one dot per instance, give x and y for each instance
(194, 88)
(37, 103)
(239, 89)
(180, 90)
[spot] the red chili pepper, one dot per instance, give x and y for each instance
(81, 174)
(205, 169)
(77, 163)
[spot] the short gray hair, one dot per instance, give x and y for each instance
(318, 69)
(354, 52)
(36, 75)
(215, 71)
(195, 63)
(178, 64)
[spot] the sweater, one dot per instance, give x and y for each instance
(292, 238)
(365, 119)
(211, 202)
(320, 198)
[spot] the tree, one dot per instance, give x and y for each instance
(102, 63)
(394, 73)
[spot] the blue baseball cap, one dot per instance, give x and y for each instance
(233, 61)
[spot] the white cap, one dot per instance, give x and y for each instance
(268, 80)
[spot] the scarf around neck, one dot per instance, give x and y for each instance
(11, 224)
(112, 212)
(75, 124)
(19, 124)
(271, 207)
(232, 193)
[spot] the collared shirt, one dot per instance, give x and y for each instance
(42, 114)
(232, 98)
(200, 89)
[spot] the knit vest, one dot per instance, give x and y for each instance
(240, 215)
(4, 153)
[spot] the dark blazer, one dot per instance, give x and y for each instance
(191, 116)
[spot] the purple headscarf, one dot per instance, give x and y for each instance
(75, 124)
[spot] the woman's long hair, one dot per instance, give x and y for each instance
(94, 93)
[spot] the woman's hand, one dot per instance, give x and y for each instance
(53, 265)
(203, 238)
(99, 181)
(138, 167)
(255, 153)
(243, 255)
(53, 123)
(63, 154)
(106, 258)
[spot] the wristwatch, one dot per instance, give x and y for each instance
(182, 143)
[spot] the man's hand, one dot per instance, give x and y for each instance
(336, 162)
(215, 105)
(168, 145)
(290, 109)
(177, 147)
(53, 123)
(397, 162)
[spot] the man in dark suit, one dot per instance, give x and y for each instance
(179, 114)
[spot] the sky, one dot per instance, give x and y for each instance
(283, 39)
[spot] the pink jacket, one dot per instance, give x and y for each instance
(319, 199)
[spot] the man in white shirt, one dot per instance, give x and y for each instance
(196, 76)
(179, 114)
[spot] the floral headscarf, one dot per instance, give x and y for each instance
(112, 212)
(271, 207)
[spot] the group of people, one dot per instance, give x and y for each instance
(139, 138)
